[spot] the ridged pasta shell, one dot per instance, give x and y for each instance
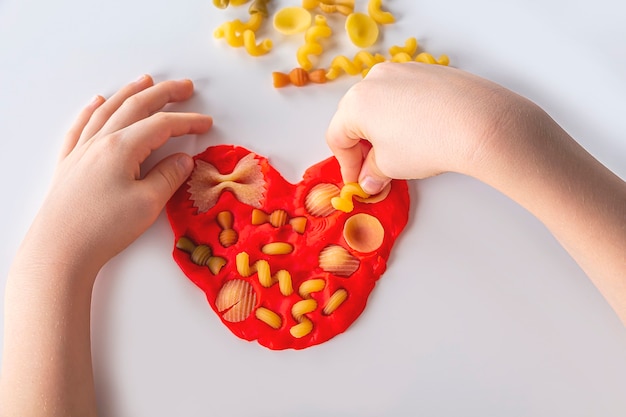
(201, 255)
(228, 237)
(236, 300)
(317, 201)
(338, 261)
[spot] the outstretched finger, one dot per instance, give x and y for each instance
(147, 102)
(147, 135)
(72, 136)
(110, 106)
(345, 145)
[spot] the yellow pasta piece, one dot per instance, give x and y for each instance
(290, 20)
(410, 47)
(344, 201)
(311, 286)
(268, 317)
(285, 284)
(264, 274)
(429, 59)
(344, 7)
(312, 45)
(303, 307)
(401, 57)
(254, 49)
(302, 329)
(362, 29)
(362, 62)
(334, 301)
(277, 248)
(232, 31)
(379, 16)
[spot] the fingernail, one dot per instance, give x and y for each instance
(141, 78)
(185, 164)
(371, 185)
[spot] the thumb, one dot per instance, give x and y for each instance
(371, 179)
(169, 174)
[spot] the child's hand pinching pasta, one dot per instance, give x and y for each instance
(421, 120)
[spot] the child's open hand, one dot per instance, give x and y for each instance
(99, 202)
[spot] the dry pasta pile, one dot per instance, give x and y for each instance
(309, 20)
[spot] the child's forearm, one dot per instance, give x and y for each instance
(580, 201)
(47, 358)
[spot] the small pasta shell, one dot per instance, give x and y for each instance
(236, 300)
(317, 201)
(363, 232)
(338, 261)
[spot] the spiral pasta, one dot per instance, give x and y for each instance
(262, 269)
(362, 62)
(312, 45)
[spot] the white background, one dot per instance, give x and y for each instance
(480, 313)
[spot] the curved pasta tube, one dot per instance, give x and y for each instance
(254, 49)
(379, 16)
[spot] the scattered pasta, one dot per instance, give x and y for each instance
(379, 16)
(290, 20)
(312, 45)
(362, 29)
(344, 7)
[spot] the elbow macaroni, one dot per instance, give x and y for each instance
(379, 16)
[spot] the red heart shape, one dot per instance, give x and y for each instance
(309, 268)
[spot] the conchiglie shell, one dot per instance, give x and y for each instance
(317, 201)
(338, 261)
(236, 299)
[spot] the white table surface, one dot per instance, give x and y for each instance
(480, 313)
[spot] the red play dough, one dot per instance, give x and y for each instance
(302, 263)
